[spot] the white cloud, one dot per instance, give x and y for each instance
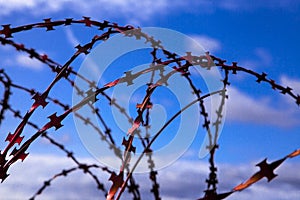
(36, 169)
(262, 58)
(7, 7)
(21, 60)
(136, 11)
(190, 177)
(15, 5)
(25, 61)
(245, 108)
(130, 9)
(234, 5)
(286, 81)
(185, 179)
(71, 37)
(290, 82)
(208, 43)
(73, 41)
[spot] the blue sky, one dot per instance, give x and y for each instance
(260, 122)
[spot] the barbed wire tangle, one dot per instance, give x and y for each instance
(129, 149)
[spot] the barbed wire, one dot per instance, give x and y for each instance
(181, 65)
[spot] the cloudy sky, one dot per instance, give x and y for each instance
(260, 122)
